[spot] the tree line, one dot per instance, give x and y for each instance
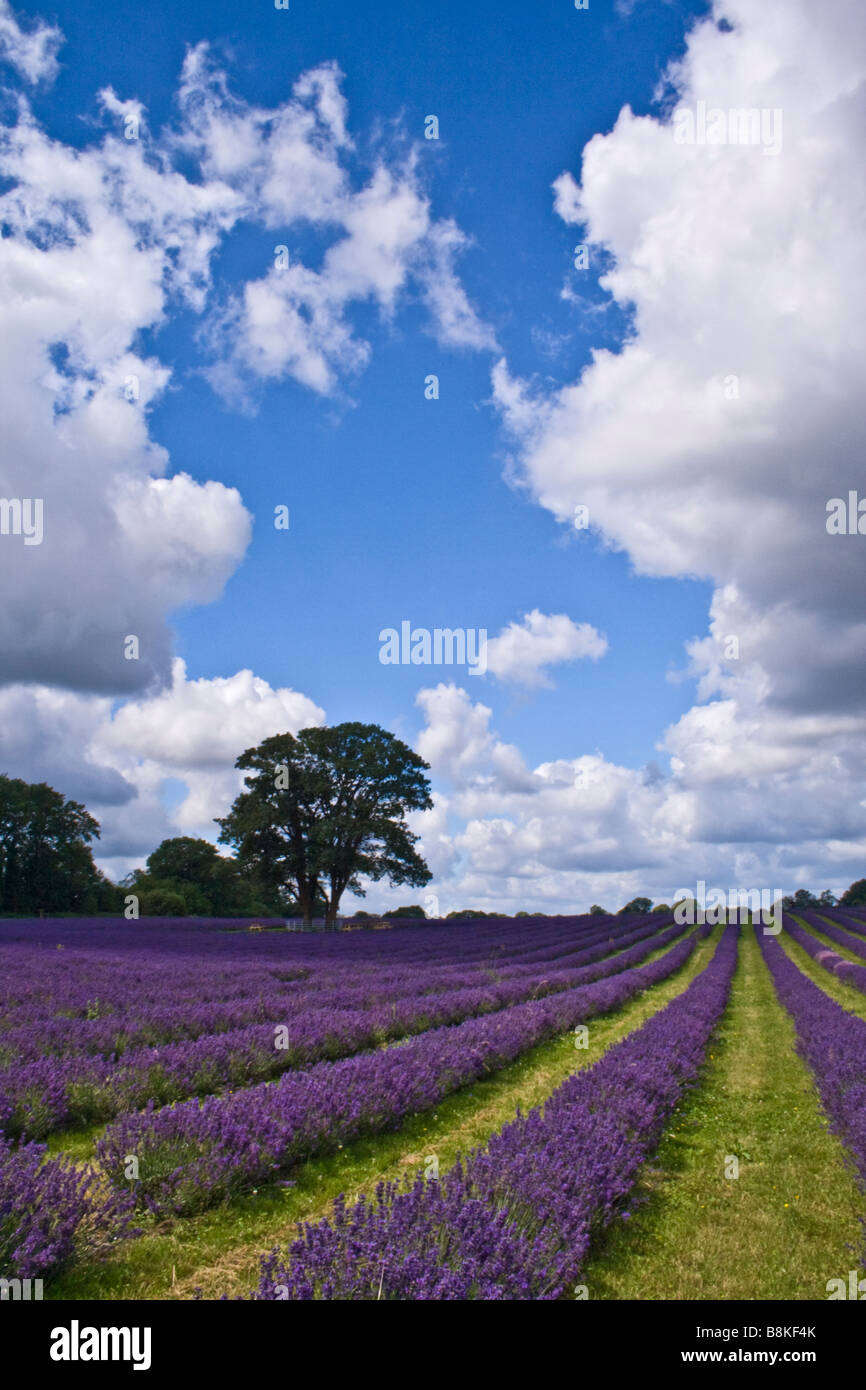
(322, 812)
(46, 863)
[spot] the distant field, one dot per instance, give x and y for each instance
(589, 1107)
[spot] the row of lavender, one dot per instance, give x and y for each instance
(424, 944)
(91, 1005)
(52, 1212)
(832, 1042)
(830, 961)
(90, 972)
(192, 1155)
(516, 1220)
(153, 985)
(856, 944)
(50, 1092)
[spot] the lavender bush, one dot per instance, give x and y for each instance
(855, 944)
(832, 1042)
(836, 965)
(52, 1213)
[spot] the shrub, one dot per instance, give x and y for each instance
(636, 905)
(854, 895)
(161, 902)
(52, 1213)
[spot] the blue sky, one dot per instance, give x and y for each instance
(398, 505)
(453, 512)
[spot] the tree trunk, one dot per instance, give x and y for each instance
(305, 898)
(331, 911)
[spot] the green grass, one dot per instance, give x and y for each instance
(788, 1223)
(218, 1251)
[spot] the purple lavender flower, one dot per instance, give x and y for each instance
(516, 1220)
(51, 1213)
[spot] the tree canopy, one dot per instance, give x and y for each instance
(45, 859)
(326, 809)
(190, 876)
(322, 812)
(803, 899)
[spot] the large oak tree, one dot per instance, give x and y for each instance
(326, 809)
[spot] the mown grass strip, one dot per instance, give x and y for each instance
(219, 1250)
(788, 1223)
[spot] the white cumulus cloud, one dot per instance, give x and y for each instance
(522, 651)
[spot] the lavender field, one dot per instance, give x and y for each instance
(432, 672)
(491, 1109)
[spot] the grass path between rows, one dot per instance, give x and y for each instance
(218, 1251)
(788, 1223)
